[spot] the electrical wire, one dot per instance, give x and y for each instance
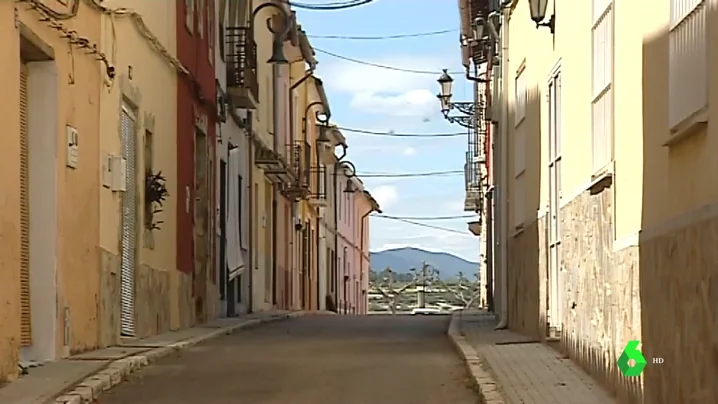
(428, 226)
(330, 6)
(391, 133)
(382, 37)
(380, 66)
(427, 218)
(409, 175)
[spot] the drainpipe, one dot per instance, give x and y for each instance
(275, 187)
(295, 204)
(502, 204)
(336, 227)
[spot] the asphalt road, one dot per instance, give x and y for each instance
(311, 360)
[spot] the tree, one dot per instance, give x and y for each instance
(465, 291)
(387, 286)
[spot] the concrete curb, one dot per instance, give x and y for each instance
(113, 374)
(486, 386)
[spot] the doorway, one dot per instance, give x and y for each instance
(555, 300)
(128, 247)
(201, 222)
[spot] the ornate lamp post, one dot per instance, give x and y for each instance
(467, 109)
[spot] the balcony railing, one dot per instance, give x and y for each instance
(241, 58)
(299, 166)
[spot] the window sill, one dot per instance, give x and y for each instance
(687, 128)
(602, 178)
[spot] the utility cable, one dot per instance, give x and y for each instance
(428, 226)
(382, 37)
(380, 66)
(330, 6)
(391, 133)
(410, 175)
(426, 218)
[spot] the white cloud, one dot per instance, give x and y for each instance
(385, 195)
(388, 92)
(409, 151)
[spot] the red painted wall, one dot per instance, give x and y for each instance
(194, 90)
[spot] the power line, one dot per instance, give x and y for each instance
(330, 6)
(428, 226)
(408, 175)
(380, 66)
(382, 37)
(391, 133)
(419, 218)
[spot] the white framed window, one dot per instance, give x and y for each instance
(189, 15)
(518, 201)
(602, 84)
(520, 96)
(688, 59)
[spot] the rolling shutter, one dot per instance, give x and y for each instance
(25, 314)
(129, 245)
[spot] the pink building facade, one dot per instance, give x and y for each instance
(353, 209)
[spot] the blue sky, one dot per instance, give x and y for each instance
(377, 99)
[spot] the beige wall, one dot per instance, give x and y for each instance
(153, 86)
(636, 260)
(71, 98)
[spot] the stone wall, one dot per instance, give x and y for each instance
(162, 300)
(680, 313)
(601, 310)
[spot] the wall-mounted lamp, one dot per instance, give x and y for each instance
(538, 14)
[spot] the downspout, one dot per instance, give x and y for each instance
(275, 187)
(336, 228)
(503, 170)
(295, 204)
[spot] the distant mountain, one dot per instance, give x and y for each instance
(402, 259)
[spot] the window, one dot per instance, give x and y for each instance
(602, 74)
(521, 97)
(688, 64)
(200, 18)
(519, 146)
(189, 15)
(210, 33)
(555, 124)
(221, 42)
(148, 154)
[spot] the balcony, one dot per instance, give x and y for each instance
(273, 165)
(473, 178)
(241, 57)
(299, 155)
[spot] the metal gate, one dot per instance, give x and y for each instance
(129, 217)
(25, 310)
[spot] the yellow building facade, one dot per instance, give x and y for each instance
(611, 207)
(142, 292)
(50, 221)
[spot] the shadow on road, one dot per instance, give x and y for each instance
(312, 360)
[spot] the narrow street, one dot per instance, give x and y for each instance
(310, 360)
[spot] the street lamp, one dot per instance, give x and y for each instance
(468, 109)
(538, 14)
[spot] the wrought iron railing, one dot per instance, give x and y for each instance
(241, 59)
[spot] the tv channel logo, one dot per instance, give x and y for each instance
(632, 362)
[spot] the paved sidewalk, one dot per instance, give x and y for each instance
(83, 377)
(510, 368)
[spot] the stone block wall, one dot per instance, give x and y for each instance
(601, 291)
(163, 300)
